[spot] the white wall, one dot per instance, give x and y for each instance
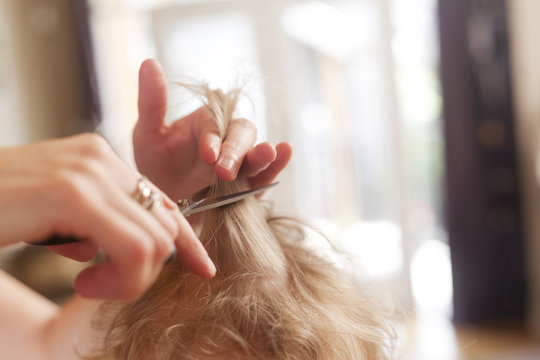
(12, 129)
(524, 30)
(46, 95)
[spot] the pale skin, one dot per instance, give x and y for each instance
(182, 158)
(67, 186)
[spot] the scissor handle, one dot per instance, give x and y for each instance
(57, 240)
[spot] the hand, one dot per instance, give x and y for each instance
(182, 158)
(77, 186)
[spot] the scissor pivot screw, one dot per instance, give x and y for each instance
(183, 203)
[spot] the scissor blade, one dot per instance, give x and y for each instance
(208, 204)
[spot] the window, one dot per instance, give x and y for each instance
(352, 83)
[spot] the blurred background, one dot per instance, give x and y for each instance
(414, 124)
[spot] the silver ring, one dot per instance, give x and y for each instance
(144, 194)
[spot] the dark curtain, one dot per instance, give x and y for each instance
(86, 51)
(482, 195)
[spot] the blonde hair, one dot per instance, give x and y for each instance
(272, 296)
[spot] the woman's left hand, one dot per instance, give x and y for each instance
(182, 158)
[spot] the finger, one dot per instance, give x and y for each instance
(152, 97)
(200, 126)
(168, 214)
(240, 139)
(166, 219)
(84, 250)
(192, 253)
(258, 159)
(130, 267)
(209, 140)
(110, 280)
(157, 223)
(284, 153)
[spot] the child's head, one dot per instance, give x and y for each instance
(272, 296)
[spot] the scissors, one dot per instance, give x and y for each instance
(198, 203)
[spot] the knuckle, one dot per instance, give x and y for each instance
(141, 252)
(86, 166)
(232, 148)
(161, 248)
(70, 185)
(246, 124)
(175, 229)
(93, 145)
(65, 194)
(75, 183)
(171, 227)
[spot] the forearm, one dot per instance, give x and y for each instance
(71, 333)
(23, 315)
(32, 327)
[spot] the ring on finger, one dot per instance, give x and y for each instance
(145, 195)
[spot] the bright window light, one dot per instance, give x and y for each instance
(431, 277)
(377, 245)
(316, 119)
(329, 30)
(220, 49)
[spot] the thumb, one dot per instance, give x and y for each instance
(152, 97)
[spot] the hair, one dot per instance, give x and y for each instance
(272, 297)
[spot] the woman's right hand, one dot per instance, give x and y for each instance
(77, 186)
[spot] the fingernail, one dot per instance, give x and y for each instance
(169, 204)
(215, 151)
(211, 267)
(209, 263)
(172, 256)
(227, 164)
